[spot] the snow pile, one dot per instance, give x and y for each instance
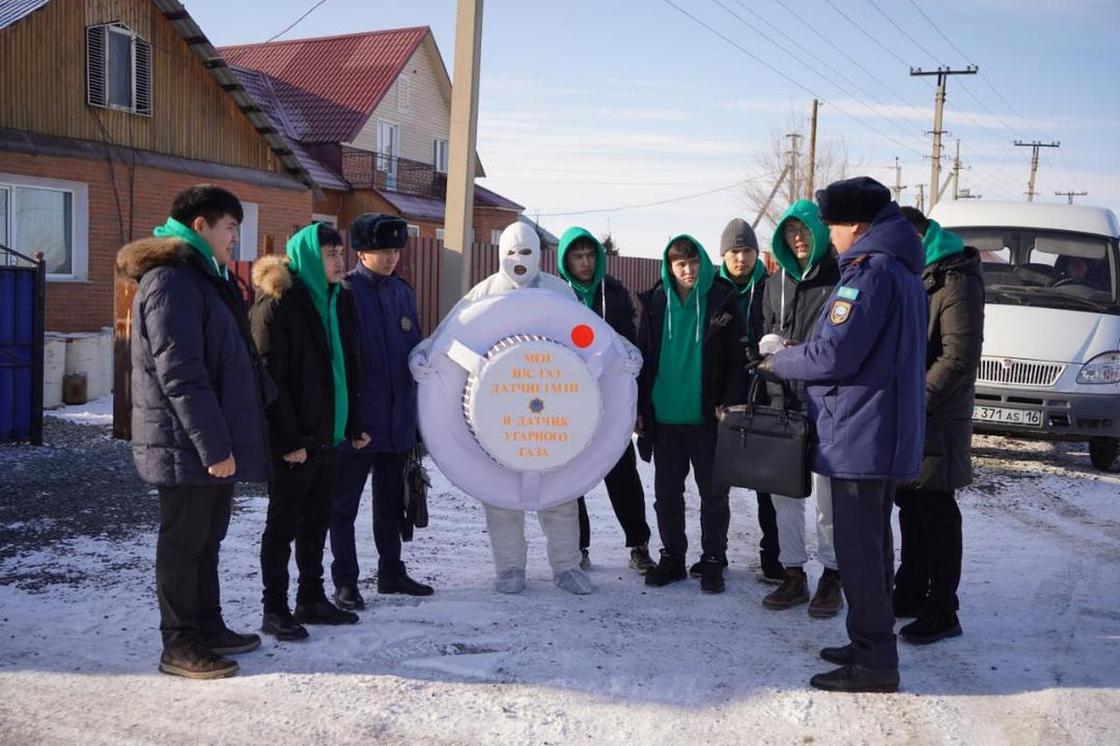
(97, 411)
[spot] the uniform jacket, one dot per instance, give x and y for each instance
(198, 386)
(865, 363)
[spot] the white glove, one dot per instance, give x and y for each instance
(772, 343)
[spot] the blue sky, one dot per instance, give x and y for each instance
(599, 105)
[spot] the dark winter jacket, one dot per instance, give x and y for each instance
(955, 286)
(198, 386)
(792, 309)
(620, 312)
(293, 342)
(724, 379)
(604, 295)
(388, 327)
(865, 364)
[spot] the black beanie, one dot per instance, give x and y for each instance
(856, 200)
(374, 231)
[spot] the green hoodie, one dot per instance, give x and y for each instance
(746, 291)
(174, 229)
(678, 387)
(809, 214)
(306, 263)
(940, 243)
(586, 292)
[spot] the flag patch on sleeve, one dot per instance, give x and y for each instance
(847, 293)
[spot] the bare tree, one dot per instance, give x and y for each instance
(609, 245)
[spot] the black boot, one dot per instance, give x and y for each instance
(640, 559)
(697, 570)
(282, 626)
(844, 655)
(930, 628)
(323, 612)
(228, 642)
(347, 598)
(670, 568)
(853, 678)
(399, 582)
(907, 605)
(711, 574)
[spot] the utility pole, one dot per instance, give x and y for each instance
(921, 205)
(957, 172)
(766, 205)
(793, 152)
(942, 74)
(1034, 146)
(455, 261)
(812, 152)
(966, 194)
(1071, 195)
(896, 190)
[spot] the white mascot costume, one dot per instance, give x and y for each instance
(527, 399)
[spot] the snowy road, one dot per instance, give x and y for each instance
(1039, 662)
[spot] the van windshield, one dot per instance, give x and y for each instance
(1055, 269)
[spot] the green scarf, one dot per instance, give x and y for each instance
(306, 263)
(678, 387)
(174, 229)
(809, 214)
(940, 243)
(747, 291)
(585, 292)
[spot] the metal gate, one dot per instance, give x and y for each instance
(23, 284)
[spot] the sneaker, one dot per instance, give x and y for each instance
(842, 656)
(711, 574)
(931, 628)
(228, 642)
(585, 560)
(853, 678)
(697, 570)
(401, 583)
(574, 581)
(347, 598)
(323, 612)
(196, 662)
(669, 569)
(794, 590)
(640, 559)
(510, 580)
(282, 626)
(829, 598)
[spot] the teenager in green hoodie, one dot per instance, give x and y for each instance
(582, 263)
(689, 332)
(794, 298)
(301, 326)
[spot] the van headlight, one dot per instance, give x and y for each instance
(1101, 369)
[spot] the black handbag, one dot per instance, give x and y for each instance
(764, 448)
(416, 484)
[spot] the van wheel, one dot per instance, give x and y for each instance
(1105, 453)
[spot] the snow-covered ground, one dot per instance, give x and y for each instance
(98, 411)
(1039, 662)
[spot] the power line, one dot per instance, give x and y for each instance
(903, 31)
(863, 31)
(739, 183)
(942, 33)
(786, 77)
(295, 22)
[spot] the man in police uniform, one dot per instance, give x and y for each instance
(864, 366)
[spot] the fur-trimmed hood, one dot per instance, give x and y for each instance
(271, 275)
(138, 257)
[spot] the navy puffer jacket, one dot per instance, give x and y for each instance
(198, 388)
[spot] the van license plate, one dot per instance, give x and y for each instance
(1027, 417)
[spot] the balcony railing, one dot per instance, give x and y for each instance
(366, 170)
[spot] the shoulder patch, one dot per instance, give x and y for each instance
(840, 313)
(847, 293)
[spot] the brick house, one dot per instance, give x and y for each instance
(368, 115)
(107, 109)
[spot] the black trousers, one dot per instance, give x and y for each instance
(388, 512)
(624, 488)
(768, 549)
(299, 502)
(676, 448)
(861, 514)
(193, 522)
(932, 546)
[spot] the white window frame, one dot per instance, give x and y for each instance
(389, 148)
(248, 232)
(495, 236)
(413, 230)
(79, 221)
(404, 93)
(440, 155)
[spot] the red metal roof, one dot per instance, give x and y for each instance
(330, 85)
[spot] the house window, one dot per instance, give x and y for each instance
(331, 220)
(118, 69)
(48, 216)
(439, 156)
(413, 231)
(404, 92)
(246, 250)
(495, 237)
(439, 234)
(388, 149)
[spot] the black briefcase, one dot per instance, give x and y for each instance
(764, 448)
